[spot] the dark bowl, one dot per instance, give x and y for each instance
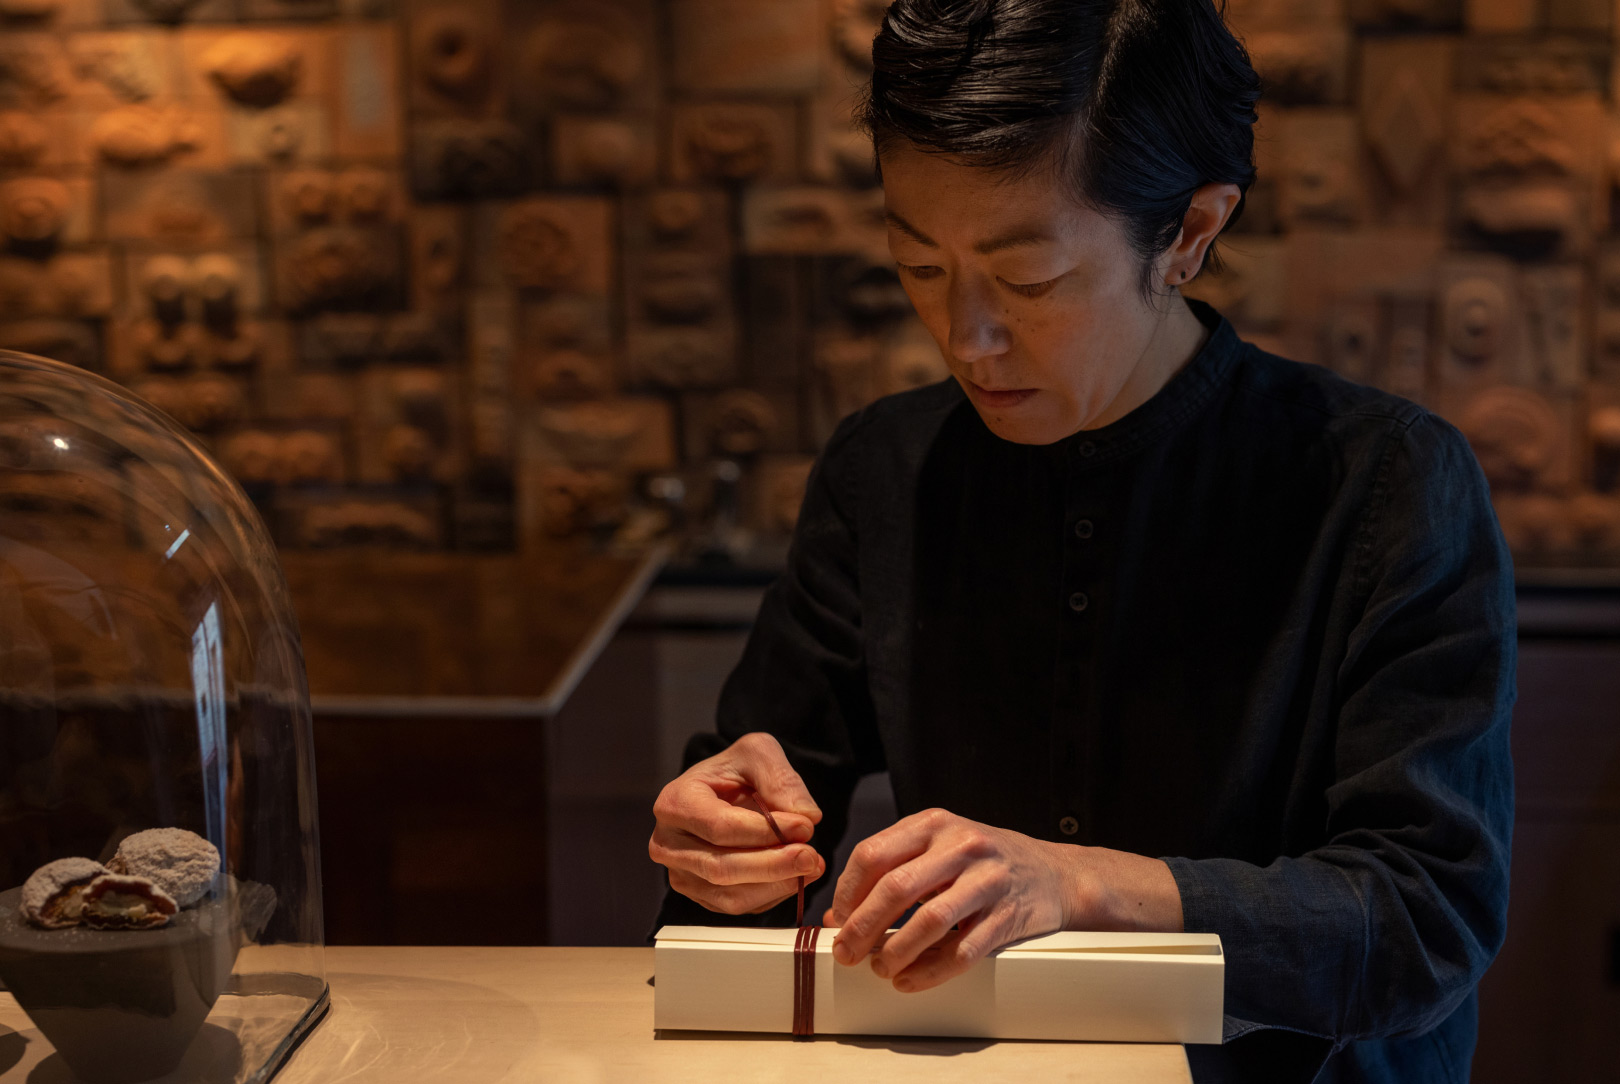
(120, 1005)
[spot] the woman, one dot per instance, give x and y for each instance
(1152, 630)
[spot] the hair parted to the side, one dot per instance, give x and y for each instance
(1138, 103)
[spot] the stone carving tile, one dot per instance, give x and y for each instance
(1309, 66)
(119, 67)
(1326, 264)
(367, 118)
(34, 71)
(437, 236)
(301, 456)
(547, 244)
(1533, 64)
(838, 152)
(1606, 323)
(822, 221)
(732, 143)
(1410, 349)
(677, 288)
(1408, 14)
(1602, 444)
(404, 521)
(1405, 113)
(1580, 15)
(1322, 167)
(1503, 16)
(284, 10)
(1353, 340)
(1481, 320)
(70, 284)
(579, 321)
(293, 132)
(491, 348)
(459, 159)
(406, 425)
(39, 214)
(343, 267)
(1522, 438)
(1555, 316)
(359, 196)
(601, 56)
(625, 434)
(619, 151)
(454, 57)
(682, 357)
(678, 218)
(1532, 171)
(145, 135)
(74, 342)
(168, 12)
(253, 67)
(561, 374)
(743, 46)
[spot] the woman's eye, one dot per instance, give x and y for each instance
(921, 271)
(1031, 289)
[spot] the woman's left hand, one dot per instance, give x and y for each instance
(981, 888)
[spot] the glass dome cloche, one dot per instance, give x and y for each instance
(160, 899)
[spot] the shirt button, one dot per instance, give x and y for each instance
(1078, 601)
(1068, 826)
(1083, 529)
(1085, 449)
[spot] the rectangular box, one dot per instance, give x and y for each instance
(1102, 987)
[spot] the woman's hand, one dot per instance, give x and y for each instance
(981, 888)
(723, 854)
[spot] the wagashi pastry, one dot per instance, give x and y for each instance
(53, 896)
(181, 863)
(120, 901)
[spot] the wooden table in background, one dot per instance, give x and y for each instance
(433, 678)
(578, 1015)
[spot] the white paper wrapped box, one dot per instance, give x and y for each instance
(1105, 987)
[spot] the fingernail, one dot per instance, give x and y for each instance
(841, 952)
(879, 968)
(806, 862)
(904, 985)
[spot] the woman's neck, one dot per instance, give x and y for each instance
(1176, 340)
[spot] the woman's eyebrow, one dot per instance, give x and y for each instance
(1028, 236)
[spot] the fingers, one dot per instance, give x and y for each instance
(690, 804)
(732, 866)
(874, 857)
(930, 925)
(954, 953)
(894, 892)
(765, 767)
(740, 899)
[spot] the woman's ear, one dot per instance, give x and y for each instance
(1211, 208)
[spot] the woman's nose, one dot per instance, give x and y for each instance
(977, 329)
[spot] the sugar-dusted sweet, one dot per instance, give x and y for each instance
(116, 901)
(181, 863)
(53, 896)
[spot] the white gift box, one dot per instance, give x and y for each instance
(1106, 987)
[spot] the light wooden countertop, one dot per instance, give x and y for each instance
(585, 1015)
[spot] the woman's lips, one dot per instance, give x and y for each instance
(998, 399)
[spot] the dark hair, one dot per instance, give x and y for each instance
(1138, 102)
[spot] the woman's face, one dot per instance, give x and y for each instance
(1033, 299)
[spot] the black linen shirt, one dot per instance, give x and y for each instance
(1262, 627)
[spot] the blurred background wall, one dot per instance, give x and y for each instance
(467, 275)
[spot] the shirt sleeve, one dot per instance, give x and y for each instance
(1385, 929)
(802, 676)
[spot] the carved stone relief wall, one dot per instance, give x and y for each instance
(1438, 222)
(474, 273)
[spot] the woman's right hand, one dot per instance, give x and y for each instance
(719, 850)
